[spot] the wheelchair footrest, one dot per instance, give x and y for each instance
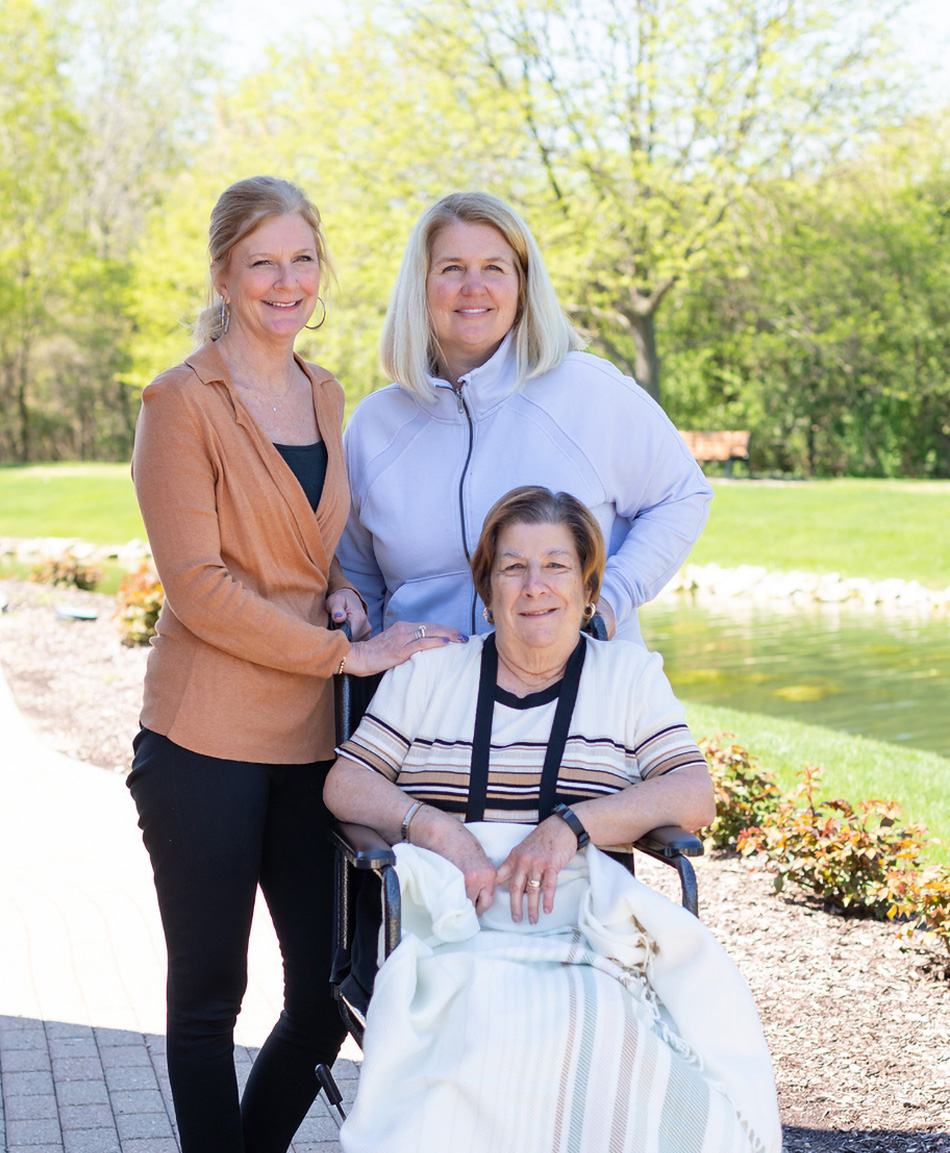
(330, 1088)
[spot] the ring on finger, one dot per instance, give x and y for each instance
(420, 633)
(533, 883)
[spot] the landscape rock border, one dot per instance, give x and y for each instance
(759, 584)
(30, 550)
(710, 580)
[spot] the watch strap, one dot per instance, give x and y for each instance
(573, 820)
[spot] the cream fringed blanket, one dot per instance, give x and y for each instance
(617, 1025)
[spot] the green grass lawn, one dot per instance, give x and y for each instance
(857, 769)
(94, 502)
(872, 528)
(859, 528)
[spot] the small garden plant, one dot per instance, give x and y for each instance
(67, 570)
(139, 600)
(745, 794)
(860, 861)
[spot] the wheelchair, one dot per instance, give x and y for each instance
(365, 880)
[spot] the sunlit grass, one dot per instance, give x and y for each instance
(859, 528)
(91, 502)
(858, 768)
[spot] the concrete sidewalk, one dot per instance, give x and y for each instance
(82, 967)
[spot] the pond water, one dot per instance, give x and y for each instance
(870, 673)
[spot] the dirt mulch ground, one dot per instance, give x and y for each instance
(858, 1021)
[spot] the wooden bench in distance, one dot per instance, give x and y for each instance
(725, 446)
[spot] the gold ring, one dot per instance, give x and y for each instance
(421, 633)
(534, 883)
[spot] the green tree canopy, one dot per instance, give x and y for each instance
(652, 121)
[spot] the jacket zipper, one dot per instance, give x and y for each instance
(463, 407)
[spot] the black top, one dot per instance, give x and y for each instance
(308, 463)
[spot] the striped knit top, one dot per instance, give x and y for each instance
(627, 726)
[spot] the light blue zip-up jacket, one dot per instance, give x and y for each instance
(423, 476)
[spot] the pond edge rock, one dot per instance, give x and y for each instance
(759, 584)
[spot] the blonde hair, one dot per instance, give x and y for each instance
(543, 335)
(533, 504)
(240, 209)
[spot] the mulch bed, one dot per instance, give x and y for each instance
(857, 1019)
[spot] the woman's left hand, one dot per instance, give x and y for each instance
(345, 605)
(539, 857)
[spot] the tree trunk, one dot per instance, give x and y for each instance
(20, 398)
(647, 366)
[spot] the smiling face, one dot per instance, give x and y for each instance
(538, 593)
(271, 280)
(472, 291)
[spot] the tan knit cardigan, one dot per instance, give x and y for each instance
(240, 664)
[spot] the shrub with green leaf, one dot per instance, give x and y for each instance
(848, 857)
(745, 794)
(67, 570)
(921, 900)
(860, 861)
(139, 601)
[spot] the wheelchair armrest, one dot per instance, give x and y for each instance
(670, 841)
(362, 846)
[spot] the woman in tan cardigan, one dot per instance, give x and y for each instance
(238, 469)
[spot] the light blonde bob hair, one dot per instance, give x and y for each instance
(533, 504)
(543, 335)
(240, 209)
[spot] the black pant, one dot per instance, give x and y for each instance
(214, 830)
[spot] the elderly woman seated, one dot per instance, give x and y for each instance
(541, 999)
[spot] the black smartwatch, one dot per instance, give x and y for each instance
(568, 815)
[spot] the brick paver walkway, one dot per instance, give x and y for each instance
(82, 967)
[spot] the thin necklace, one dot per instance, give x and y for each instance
(280, 398)
(282, 395)
(518, 674)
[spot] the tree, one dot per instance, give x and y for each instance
(39, 135)
(137, 71)
(832, 341)
(651, 121)
(96, 105)
(371, 150)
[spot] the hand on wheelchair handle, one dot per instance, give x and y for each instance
(345, 607)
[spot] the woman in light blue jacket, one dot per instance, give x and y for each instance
(493, 391)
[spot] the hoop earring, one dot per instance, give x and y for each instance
(589, 611)
(314, 327)
(487, 614)
(225, 316)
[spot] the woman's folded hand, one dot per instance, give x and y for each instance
(443, 834)
(538, 858)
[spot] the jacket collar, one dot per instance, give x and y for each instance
(485, 387)
(208, 365)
